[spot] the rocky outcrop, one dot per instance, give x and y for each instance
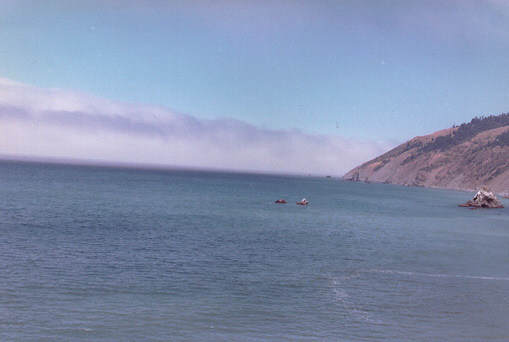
(303, 202)
(465, 157)
(484, 199)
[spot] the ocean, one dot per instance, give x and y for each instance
(111, 254)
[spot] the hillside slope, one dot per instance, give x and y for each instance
(464, 157)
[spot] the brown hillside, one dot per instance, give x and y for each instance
(465, 164)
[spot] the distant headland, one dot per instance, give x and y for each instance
(464, 157)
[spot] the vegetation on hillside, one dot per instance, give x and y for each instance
(468, 131)
(501, 140)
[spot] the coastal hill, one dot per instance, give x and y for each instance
(463, 157)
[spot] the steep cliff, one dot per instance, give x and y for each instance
(464, 157)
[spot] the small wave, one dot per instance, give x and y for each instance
(366, 316)
(435, 275)
(343, 299)
(339, 293)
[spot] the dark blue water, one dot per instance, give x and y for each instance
(104, 254)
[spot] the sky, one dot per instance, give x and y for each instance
(266, 86)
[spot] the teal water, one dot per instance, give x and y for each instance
(105, 254)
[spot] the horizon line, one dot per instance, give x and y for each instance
(146, 166)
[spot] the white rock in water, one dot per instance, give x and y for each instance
(484, 199)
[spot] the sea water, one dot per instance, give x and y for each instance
(110, 254)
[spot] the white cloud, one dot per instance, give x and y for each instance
(56, 123)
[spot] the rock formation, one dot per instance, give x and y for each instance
(303, 202)
(484, 199)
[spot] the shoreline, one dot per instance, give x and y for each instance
(502, 194)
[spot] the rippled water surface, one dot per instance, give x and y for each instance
(90, 253)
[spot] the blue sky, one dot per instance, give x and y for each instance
(378, 72)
